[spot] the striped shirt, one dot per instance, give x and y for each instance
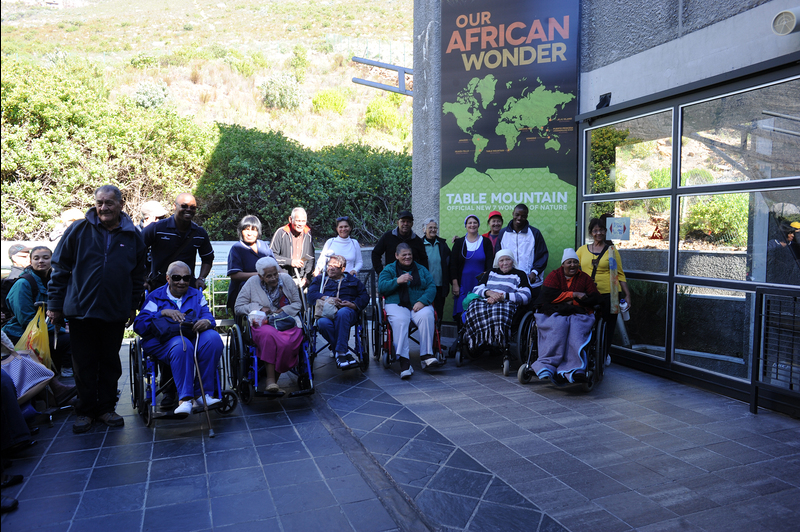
(514, 284)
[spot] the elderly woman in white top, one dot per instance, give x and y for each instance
(500, 292)
(279, 338)
(342, 245)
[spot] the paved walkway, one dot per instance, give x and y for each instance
(455, 449)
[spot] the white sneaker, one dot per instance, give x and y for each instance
(431, 361)
(184, 409)
(67, 372)
(407, 373)
(210, 401)
(608, 360)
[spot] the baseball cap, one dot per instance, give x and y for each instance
(18, 248)
(405, 214)
(493, 214)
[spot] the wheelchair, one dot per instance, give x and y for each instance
(145, 388)
(361, 345)
(595, 358)
(246, 368)
(522, 326)
(384, 345)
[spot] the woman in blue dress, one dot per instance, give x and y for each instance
(471, 256)
(244, 254)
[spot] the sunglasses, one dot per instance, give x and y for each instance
(178, 278)
(343, 219)
(187, 207)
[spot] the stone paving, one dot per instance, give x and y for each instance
(454, 449)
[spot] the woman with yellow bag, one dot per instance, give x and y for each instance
(22, 299)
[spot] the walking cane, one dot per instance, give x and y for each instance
(202, 391)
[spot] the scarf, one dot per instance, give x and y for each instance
(405, 297)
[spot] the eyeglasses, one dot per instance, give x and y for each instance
(597, 231)
(187, 207)
(178, 278)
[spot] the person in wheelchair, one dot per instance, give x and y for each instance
(279, 337)
(348, 295)
(409, 291)
(565, 318)
(164, 325)
(500, 292)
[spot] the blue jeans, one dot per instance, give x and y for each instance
(337, 332)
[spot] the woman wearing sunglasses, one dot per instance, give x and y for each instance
(342, 245)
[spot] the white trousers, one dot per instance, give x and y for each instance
(399, 319)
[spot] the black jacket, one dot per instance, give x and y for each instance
(387, 245)
(459, 253)
(96, 273)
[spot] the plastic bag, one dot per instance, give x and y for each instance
(35, 338)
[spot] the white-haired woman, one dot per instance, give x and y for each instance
(278, 340)
(438, 264)
(500, 292)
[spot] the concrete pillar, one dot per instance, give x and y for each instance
(426, 164)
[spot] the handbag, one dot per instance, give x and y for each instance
(37, 339)
(327, 308)
(29, 376)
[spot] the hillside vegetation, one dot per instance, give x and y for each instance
(154, 96)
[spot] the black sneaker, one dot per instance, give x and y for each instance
(342, 362)
(112, 419)
(350, 361)
(82, 424)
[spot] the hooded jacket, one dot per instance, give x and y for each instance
(281, 246)
(528, 246)
(97, 273)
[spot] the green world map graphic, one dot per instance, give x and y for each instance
(531, 109)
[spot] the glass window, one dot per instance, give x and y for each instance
(747, 136)
(646, 330)
(725, 319)
(631, 155)
(741, 236)
(648, 247)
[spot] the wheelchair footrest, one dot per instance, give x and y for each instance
(300, 393)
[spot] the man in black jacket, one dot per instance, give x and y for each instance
(97, 281)
(387, 244)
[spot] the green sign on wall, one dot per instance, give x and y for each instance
(509, 96)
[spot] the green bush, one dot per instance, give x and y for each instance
(723, 217)
(298, 63)
(602, 158)
(266, 174)
(143, 60)
(62, 138)
(383, 114)
(151, 93)
(329, 100)
(661, 178)
(281, 91)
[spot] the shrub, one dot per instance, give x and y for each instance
(298, 63)
(602, 159)
(661, 178)
(723, 217)
(143, 60)
(383, 114)
(266, 174)
(260, 60)
(329, 100)
(151, 94)
(281, 91)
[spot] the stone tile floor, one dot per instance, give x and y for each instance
(454, 449)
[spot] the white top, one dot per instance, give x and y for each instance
(347, 248)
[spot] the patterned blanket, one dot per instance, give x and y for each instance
(488, 324)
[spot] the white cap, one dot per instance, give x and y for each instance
(569, 253)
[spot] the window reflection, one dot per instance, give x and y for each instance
(631, 155)
(742, 137)
(724, 317)
(741, 236)
(648, 247)
(646, 330)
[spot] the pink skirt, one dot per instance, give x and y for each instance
(278, 347)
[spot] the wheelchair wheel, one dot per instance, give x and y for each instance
(229, 402)
(134, 377)
(246, 392)
(385, 360)
(524, 374)
(595, 357)
(506, 366)
(364, 341)
(459, 354)
(377, 330)
(522, 336)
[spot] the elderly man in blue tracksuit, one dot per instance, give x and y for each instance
(350, 297)
(173, 303)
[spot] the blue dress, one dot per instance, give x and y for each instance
(473, 268)
(242, 258)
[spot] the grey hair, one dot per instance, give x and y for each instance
(296, 210)
(266, 262)
(429, 220)
(177, 264)
(109, 188)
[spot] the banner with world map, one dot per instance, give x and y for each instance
(509, 98)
